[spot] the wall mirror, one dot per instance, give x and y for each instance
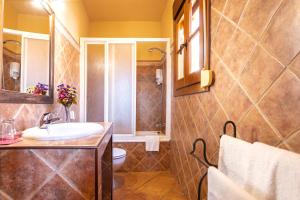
(27, 52)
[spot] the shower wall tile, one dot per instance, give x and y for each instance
(149, 105)
(66, 70)
(256, 63)
(138, 159)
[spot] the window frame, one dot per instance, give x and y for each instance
(190, 84)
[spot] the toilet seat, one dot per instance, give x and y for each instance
(118, 153)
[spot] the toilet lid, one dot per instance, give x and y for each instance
(118, 153)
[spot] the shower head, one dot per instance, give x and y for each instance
(12, 41)
(157, 49)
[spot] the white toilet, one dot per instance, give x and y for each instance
(119, 157)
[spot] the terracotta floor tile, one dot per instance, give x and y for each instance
(147, 186)
(134, 180)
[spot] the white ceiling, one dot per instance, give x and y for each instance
(124, 10)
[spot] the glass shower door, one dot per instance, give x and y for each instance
(95, 82)
(121, 87)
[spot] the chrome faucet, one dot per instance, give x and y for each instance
(48, 118)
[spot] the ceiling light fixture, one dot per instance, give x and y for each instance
(37, 3)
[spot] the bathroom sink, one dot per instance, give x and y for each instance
(63, 131)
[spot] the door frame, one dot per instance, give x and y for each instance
(131, 137)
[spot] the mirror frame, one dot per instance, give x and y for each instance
(7, 96)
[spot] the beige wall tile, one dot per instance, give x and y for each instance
(254, 128)
(256, 71)
(236, 103)
(238, 52)
(257, 15)
(295, 65)
(224, 34)
(282, 37)
(261, 71)
(282, 104)
(234, 9)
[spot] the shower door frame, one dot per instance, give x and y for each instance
(131, 137)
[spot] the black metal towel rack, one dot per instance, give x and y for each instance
(206, 162)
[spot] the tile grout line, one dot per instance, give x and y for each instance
(236, 25)
(66, 179)
(293, 133)
(257, 42)
(177, 147)
(50, 176)
(5, 195)
(217, 27)
(184, 149)
(139, 187)
(255, 103)
(197, 129)
(57, 171)
(208, 121)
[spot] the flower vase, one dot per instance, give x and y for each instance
(67, 113)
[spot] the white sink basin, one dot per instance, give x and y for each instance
(63, 131)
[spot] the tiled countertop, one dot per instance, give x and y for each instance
(86, 142)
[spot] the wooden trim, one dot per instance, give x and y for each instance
(96, 154)
(177, 83)
(190, 84)
(17, 97)
(191, 89)
(177, 6)
(207, 38)
(1, 40)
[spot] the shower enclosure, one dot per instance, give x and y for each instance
(151, 88)
(123, 80)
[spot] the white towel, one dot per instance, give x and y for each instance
(220, 187)
(266, 172)
(152, 142)
(234, 158)
(273, 174)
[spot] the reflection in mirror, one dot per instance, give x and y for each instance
(11, 62)
(26, 47)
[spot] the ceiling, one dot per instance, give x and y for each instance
(26, 7)
(124, 10)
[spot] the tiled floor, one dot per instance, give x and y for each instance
(147, 186)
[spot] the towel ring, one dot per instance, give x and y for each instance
(225, 128)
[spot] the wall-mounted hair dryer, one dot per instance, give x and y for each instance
(14, 70)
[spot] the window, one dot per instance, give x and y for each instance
(190, 40)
